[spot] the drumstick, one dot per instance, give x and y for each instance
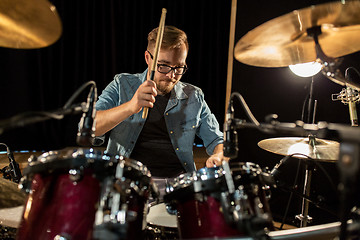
(159, 38)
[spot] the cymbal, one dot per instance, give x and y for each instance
(321, 150)
(284, 41)
(11, 195)
(28, 24)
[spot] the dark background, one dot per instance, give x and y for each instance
(102, 38)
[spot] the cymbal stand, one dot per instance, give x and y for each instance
(304, 217)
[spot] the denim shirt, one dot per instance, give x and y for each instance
(186, 114)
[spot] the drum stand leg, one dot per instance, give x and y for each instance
(304, 217)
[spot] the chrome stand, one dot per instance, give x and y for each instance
(304, 217)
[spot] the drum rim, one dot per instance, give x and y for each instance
(189, 179)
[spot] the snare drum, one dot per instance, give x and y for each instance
(196, 197)
(160, 223)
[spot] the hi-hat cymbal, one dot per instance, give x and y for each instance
(11, 195)
(284, 41)
(320, 149)
(27, 24)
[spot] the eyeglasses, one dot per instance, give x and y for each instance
(164, 68)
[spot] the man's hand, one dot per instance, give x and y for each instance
(144, 96)
(217, 158)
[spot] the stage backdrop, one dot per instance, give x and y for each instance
(99, 40)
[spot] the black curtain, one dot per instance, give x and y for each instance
(100, 39)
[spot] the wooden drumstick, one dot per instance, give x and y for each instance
(159, 38)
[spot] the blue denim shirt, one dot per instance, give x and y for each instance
(186, 114)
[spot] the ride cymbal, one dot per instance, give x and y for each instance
(284, 41)
(320, 149)
(28, 24)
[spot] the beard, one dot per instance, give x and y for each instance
(165, 86)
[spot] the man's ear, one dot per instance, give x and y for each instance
(147, 57)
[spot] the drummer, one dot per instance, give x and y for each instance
(177, 111)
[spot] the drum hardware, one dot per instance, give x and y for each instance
(311, 147)
(304, 217)
(76, 174)
(11, 172)
(254, 215)
(349, 96)
(122, 202)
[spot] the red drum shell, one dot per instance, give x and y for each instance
(59, 206)
(203, 219)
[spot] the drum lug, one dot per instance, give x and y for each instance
(171, 209)
(200, 197)
(267, 191)
(25, 184)
(60, 237)
(75, 175)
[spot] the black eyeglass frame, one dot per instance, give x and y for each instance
(171, 68)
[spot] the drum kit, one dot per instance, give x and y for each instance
(83, 193)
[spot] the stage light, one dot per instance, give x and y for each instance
(306, 69)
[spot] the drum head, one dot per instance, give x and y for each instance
(11, 217)
(159, 216)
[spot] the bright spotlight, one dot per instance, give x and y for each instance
(306, 69)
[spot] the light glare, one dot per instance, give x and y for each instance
(306, 69)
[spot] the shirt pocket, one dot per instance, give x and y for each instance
(189, 125)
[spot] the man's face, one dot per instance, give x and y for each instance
(175, 57)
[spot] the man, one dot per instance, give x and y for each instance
(177, 111)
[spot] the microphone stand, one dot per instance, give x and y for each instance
(27, 118)
(11, 172)
(349, 157)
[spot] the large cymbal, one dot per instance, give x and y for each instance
(28, 24)
(322, 150)
(283, 41)
(10, 195)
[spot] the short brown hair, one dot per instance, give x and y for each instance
(172, 38)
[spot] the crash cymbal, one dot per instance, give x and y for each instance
(11, 195)
(322, 150)
(284, 41)
(27, 24)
